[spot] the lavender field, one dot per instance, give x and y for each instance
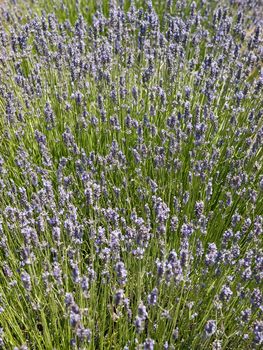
(131, 177)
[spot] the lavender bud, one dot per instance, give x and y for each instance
(210, 328)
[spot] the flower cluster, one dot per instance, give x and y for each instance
(131, 184)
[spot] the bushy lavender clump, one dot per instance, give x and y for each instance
(130, 174)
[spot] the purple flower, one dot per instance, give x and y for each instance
(258, 332)
(69, 300)
(25, 277)
(210, 328)
(118, 297)
(148, 344)
(121, 273)
(74, 318)
(225, 293)
(217, 344)
(139, 324)
(84, 334)
(152, 297)
(212, 254)
(142, 311)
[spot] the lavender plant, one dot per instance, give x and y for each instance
(131, 183)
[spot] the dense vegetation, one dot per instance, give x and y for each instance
(131, 184)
